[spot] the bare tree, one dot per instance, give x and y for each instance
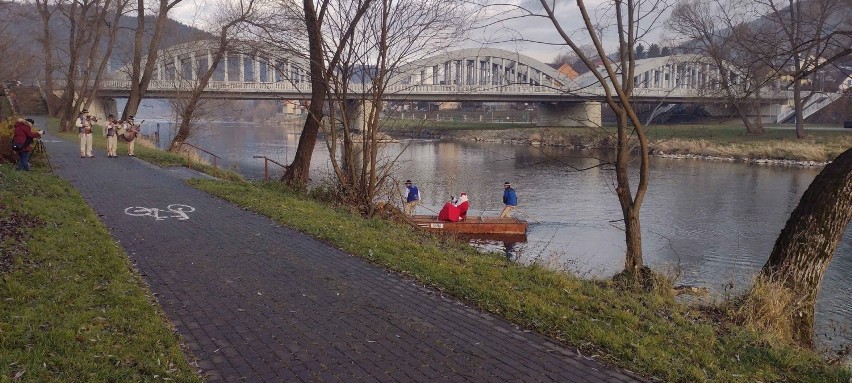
(140, 77)
(234, 19)
(15, 64)
(718, 30)
(93, 27)
(46, 10)
(631, 19)
(321, 67)
(571, 58)
(815, 33)
(391, 33)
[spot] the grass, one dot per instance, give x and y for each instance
(74, 309)
(731, 141)
(720, 140)
(648, 333)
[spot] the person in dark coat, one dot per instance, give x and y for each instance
(412, 197)
(24, 136)
(510, 199)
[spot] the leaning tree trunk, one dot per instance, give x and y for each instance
(805, 247)
(297, 173)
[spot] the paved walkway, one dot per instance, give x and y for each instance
(257, 302)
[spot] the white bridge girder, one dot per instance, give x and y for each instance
(476, 74)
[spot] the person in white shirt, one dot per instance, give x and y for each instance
(111, 133)
(131, 131)
(84, 128)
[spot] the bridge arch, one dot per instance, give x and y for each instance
(681, 71)
(246, 63)
(481, 67)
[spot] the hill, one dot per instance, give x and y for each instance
(21, 47)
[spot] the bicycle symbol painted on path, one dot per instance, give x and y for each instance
(174, 211)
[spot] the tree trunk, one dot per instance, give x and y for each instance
(47, 50)
(296, 175)
(140, 83)
(807, 243)
(135, 96)
(799, 108)
(633, 261)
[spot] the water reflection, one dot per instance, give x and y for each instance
(715, 222)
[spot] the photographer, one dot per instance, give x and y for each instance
(22, 141)
(84, 127)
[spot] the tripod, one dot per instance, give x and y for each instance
(38, 147)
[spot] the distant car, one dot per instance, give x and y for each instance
(847, 124)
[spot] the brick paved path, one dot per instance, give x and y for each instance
(257, 302)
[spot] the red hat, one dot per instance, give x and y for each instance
(463, 193)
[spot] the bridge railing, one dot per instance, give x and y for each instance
(289, 88)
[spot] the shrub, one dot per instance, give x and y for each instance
(7, 129)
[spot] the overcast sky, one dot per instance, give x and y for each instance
(513, 27)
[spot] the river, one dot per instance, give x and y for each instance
(711, 224)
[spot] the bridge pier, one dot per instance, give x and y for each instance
(101, 107)
(359, 114)
(769, 113)
(584, 114)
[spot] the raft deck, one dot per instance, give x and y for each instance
(472, 225)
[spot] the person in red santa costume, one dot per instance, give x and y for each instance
(463, 204)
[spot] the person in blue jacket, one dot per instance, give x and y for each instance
(510, 199)
(412, 198)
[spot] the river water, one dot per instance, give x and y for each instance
(712, 224)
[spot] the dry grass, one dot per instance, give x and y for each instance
(192, 156)
(146, 143)
(792, 150)
(767, 309)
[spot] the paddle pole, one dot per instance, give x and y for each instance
(527, 214)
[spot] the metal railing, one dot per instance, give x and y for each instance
(300, 90)
(189, 158)
(266, 161)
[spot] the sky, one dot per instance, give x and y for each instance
(509, 25)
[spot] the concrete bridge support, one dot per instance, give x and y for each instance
(585, 114)
(359, 114)
(102, 107)
(769, 113)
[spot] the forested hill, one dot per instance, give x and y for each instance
(21, 34)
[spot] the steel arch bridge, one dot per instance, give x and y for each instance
(473, 74)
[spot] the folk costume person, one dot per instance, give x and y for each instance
(84, 127)
(412, 197)
(463, 204)
(510, 199)
(22, 140)
(111, 133)
(131, 131)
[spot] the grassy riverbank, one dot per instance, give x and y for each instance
(648, 333)
(146, 150)
(717, 140)
(74, 309)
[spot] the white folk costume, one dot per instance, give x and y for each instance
(111, 133)
(131, 131)
(84, 127)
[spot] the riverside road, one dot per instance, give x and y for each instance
(257, 302)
